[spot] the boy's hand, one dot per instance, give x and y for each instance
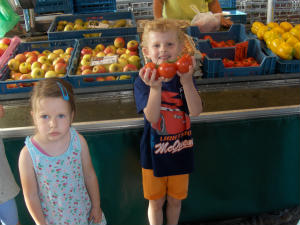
(95, 215)
(149, 77)
(187, 78)
(1, 111)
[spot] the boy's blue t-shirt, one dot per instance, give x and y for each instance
(166, 146)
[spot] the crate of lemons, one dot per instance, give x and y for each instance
(111, 58)
(35, 64)
(80, 24)
(283, 39)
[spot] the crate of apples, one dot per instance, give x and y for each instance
(31, 62)
(106, 59)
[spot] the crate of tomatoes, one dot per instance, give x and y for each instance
(245, 59)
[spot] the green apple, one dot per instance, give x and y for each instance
(37, 73)
(50, 74)
(135, 60)
(115, 67)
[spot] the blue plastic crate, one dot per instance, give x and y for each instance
(82, 81)
(53, 6)
(237, 32)
(58, 35)
(94, 6)
(227, 4)
(213, 65)
(282, 65)
(31, 46)
(237, 16)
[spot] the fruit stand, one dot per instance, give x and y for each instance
(247, 139)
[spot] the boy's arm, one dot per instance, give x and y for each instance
(29, 186)
(91, 182)
(157, 8)
(152, 109)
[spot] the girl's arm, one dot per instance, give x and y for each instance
(30, 187)
(91, 182)
(157, 8)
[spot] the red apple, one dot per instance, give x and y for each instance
(5, 41)
(69, 50)
(31, 59)
(60, 68)
(110, 78)
(119, 42)
(130, 67)
(100, 47)
(87, 71)
(86, 50)
(100, 79)
(132, 45)
(121, 51)
(2, 52)
(99, 69)
(110, 49)
(86, 67)
(20, 57)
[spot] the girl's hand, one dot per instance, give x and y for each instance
(149, 77)
(186, 78)
(95, 215)
(1, 111)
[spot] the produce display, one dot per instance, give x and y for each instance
(219, 44)
(115, 57)
(250, 61)
(283, 39)
(35, 65)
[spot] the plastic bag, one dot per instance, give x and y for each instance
(206, 21)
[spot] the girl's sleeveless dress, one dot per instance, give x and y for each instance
(62, 191)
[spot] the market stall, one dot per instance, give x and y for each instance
(247, 139)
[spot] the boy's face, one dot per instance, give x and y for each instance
(162, 46)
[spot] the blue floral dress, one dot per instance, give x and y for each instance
(62, 191)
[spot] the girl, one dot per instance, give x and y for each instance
(58, 179)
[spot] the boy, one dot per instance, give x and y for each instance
(167, 144)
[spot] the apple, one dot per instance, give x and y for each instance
(37, 73)
(46, 52)
(119, 42)
(31, 59)
(2, 52)
(100, 79)
(20, 57)
(36, 65)
(16, 76)
(122, 61)
(42, 54)
(99, 69)
(13, 64)
(110, 49)
(131, 52)
(67, 58)
(43, 59)
(132, 45)
(85, 67)
(50, 74)
(28, 54)
(25, 67)
(100, 47)
(52, 56)
(86, 50)
(69, 27)
(36, 52)
(110, 78)
(3, 46)
(5, 41)
(69, 50)
(100, 54)
(115, 67)
(87, 71)
(60, 68)
(124, 77)
(130, 67)
(58, 51)
(135, 60)
(125, 56)
(121, 51)
(58, 60)
(46, 67)
(25, 76)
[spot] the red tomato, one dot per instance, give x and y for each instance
(167, 70)
(208, 37)
(227, 62)
(246, 62)
(230, 42)
(151, 66)
(183, 64)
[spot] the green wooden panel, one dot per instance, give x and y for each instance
(243, 168)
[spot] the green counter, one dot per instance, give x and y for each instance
(245, 163)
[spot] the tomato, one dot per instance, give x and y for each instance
(183, 64)
(227, 62)
(167, 70)
(246, 62)
(151, 66)
(208, 37)
(230, 43)
(214, 44)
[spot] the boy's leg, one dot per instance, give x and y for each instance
(173, 210)
(176, 192)
(155, 211)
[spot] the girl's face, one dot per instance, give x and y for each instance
(162, 46)
(52, 118)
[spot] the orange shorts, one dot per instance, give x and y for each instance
(157, 187)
